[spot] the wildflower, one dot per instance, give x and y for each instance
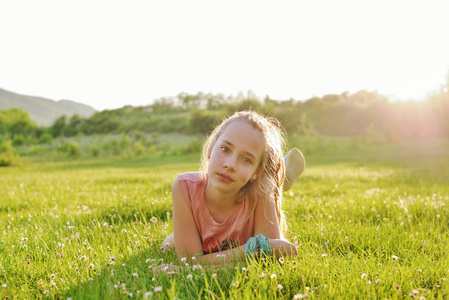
(323, 255)
(130, 294)
(281, 260)
(236, 284)
(280, 287)
(183, 259)
(112, 272)
(194, 267)
(115, 286)
(364, 275)
(91, 266)
(157, 289)
(135, 275)
(148, 294)
(415, 292)
(273, 276)
(214, 275)
(112, 258)
(299, 296)
(190, 276)
(394, 257)
(263, 275)
(91, 279)
(4, 285)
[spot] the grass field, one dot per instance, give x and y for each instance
(369, 222)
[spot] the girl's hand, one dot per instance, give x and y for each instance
(282, 248)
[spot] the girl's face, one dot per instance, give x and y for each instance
(235, 157)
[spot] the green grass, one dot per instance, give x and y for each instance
(369, 222)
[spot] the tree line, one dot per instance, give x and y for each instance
(334, 114)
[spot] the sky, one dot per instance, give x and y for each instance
(109, 54)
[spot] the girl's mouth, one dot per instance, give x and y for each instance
(224, 177)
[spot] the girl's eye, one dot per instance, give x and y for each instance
(225, 149)
(246, 160)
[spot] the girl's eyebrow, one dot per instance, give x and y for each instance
(247, 152)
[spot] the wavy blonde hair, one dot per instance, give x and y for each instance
(268, 185)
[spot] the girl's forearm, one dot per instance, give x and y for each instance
(237, 254)
(222, 258)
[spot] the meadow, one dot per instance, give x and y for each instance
(369, 222)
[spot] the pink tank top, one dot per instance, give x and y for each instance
(234, 231)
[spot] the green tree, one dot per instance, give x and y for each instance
(14, 121)
(59, 126)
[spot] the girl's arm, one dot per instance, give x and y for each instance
(266, 223)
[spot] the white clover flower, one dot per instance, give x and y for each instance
(263, 275)
(194, 267)
(91, 279)
(214, 275)
(148, 294)
(115, 286)
(135, 275)
(183, 259)
(190, 276)
(280, 287)
(394, 257)
(273, 276)
(4, 285)
(157, 289)
(364, 275)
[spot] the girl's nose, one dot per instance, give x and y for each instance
(229, 163)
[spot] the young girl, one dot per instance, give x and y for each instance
(232, 208)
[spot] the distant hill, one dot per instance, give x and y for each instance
(44, 111)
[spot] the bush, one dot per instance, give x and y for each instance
(194, 147)
(138, 148)
(8, 155)
(95, 150)
(46, 138)
(71, 148)
(18, 140)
